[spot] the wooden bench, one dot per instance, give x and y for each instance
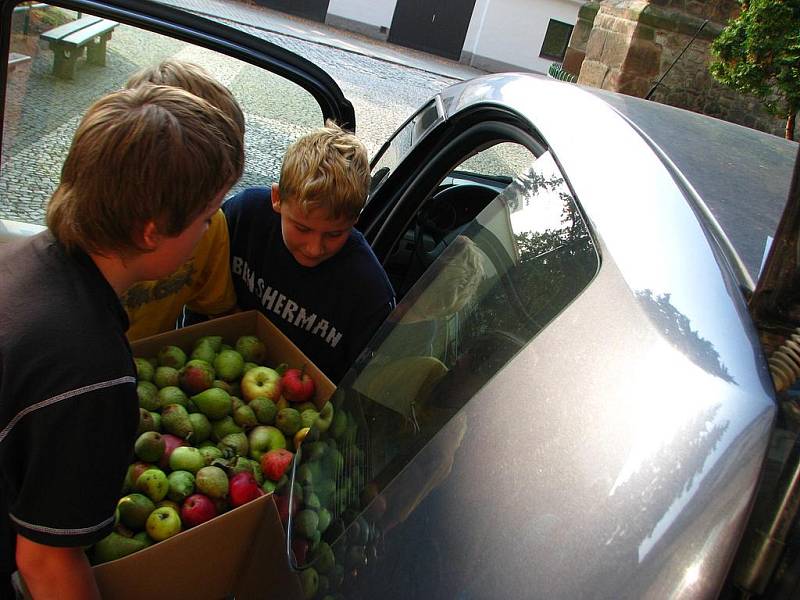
(68, 42)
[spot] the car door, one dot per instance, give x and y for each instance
(61, 57)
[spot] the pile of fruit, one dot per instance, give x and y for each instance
(217, 429)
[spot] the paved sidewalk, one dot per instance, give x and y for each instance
(273, 21)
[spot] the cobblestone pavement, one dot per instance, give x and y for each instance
(42, 111)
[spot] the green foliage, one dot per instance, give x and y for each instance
(758, 53)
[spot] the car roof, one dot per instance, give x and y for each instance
(742, 175)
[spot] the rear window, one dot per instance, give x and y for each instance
(520, 262)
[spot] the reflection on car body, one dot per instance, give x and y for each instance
(571, 398)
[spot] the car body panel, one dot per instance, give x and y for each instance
(617, 455)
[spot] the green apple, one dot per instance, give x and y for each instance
(264, 438)
(163, 523)
(181, 485)
(261, 381)
(187, 458)
(309, 581)
(325, 418)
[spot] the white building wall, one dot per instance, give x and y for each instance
(506, 34)
(373, 13)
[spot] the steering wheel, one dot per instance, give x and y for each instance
(447, 214)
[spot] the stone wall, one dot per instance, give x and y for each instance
(632, 46)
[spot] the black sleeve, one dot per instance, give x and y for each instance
(73, 451)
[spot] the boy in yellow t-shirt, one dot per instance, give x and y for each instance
(203, 284)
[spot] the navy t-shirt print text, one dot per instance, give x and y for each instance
(287, 309)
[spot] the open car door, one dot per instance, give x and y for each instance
(61, 57)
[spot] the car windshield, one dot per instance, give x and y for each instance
(525, 257)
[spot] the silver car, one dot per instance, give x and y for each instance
(573, 397)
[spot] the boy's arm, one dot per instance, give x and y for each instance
(53, 572)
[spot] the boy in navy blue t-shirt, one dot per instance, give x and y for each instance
(296, 257)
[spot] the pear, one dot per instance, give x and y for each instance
(264, 409)
(201, 426)
(171, 356)
(144, 370)
(222, 427)
(148, 395)
(115, 546)
(172, 394)
(212, 481)
(146, 421)
(288, 421)
(204, 351)
(244, 416)
(149, 446)
(214, 403)
(210, 453)
(165, 376)
(175, 420)
(229, 365)
(134, 509)
(237, 442)
(215, 341)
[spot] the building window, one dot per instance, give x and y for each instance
(556, 40)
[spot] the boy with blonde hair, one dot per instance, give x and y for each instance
(146, 171)
(297, 258)
(203, 283)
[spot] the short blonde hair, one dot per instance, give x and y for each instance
(153, 153)
(192, 78)
(326, 169)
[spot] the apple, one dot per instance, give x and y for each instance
(275, 463)
(264, 438)
(196, 509)
(251, 348)
(243, 489)
(187, 458)
(170, 443)
(196, 376)
(163, 523)
(282, 504)
(261, 381)
(297, 385)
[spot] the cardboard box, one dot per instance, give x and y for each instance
(240, 554)
(279, 348)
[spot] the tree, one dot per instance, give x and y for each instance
(758, 53)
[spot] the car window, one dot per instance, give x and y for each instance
(507, 273)
(409, 134)
(61, 61)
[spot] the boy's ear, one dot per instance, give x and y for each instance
(276, 198)
(151, 237)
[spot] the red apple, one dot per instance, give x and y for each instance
(243, 489)
(300, 550)
(275, 463)
(170, 443)
(196, 509)
(282, 504)
(297, 385)
(261, 381)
